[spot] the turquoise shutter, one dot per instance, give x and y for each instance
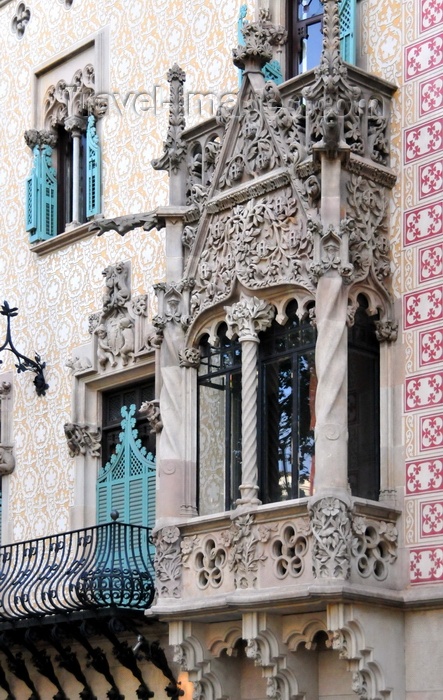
(31, 205)
(48, 208)
(272, 71)
(347, 30)
(127, 482)
(93, 169)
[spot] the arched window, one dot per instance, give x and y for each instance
(219, 430)
(287, 384)
(363, 405)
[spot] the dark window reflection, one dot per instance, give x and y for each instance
(363, 405)
(287, 393)
(112, 403)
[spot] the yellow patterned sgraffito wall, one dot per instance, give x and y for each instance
(56, 292)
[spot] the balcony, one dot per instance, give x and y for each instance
(103, 567)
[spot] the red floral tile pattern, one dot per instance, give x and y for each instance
(423, 222)
(431, 14)
(423, 140)
(423, 56)
(426, 564)
(424, 391)
(430, 348)
(423, 307)
(431, 432)
(431, 95)
(423, 476)
(431, 178)
(430, 263)
(431, 518)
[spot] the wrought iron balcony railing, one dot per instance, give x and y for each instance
(98, 567)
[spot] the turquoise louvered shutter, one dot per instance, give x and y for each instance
(347, 30)
(93, 169)
(127, 482)
(272, 71)
(48, 197)
(32, 188)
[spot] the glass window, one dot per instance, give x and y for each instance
(287, 384)
(363, 405)
(219, 430)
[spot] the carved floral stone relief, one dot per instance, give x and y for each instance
(262, 243)
(168, 562)
(82, 439)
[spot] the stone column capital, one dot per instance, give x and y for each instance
(75, 125)
(248, 317)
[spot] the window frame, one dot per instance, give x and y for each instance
(97, 44)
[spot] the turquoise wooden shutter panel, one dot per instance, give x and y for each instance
(31, 204)
(127, 482)
(93, 169)
(48, 198)
(272, 71)
(347, 30)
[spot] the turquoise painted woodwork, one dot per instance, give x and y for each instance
(31, 207)
(272, 71)
(347, 30)
(48, 210)
(41, 196)
(93, 169)
(243, 11)
(127, 482)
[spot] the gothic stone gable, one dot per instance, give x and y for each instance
(255, 226)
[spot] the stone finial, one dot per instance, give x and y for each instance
(248, 317)
(174, 146)
(260, 38)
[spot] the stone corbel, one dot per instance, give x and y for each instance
(151, 410)
(82, 439)
(7, 460)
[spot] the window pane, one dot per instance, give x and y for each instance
(212, 431)
(307, 385)
(363, 425)
(311, 47)
(235, 433)
(278, 428)
(309, 8)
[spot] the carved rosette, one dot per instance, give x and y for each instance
(332, 538)
(82, 439)
(168, 562)
(374, 547)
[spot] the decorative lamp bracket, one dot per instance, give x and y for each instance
(24, 363)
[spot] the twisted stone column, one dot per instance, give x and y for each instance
(247, 318)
